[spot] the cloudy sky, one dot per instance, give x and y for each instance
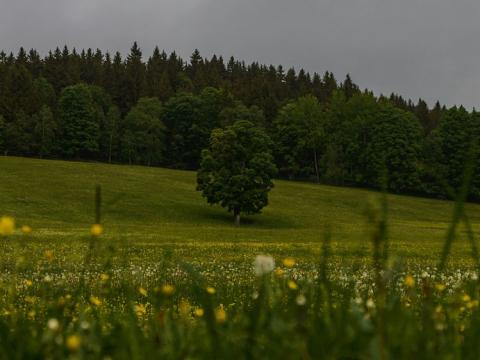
(418, 48)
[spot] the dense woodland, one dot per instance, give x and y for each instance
(161, 111)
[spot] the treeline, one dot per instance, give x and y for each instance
(93, 106)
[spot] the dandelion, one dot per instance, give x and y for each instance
(168, 290)
(26, 229)
(220, 314)
(440, 287)
(301, 300)
(48, 254)
(199, 312)
(28, 282)
(142, 291)
(104, 277)
(140, 310)
(466, 298)
(53, 324)
(279, 272)
(211, 290)
(263, 265)
(96, 230)
(409, 281)
(292, 285)
(7, 225)
(95, 301)
(73, 343)
(289, 262)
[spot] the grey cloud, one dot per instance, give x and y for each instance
(419, 48)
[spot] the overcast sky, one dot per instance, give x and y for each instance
(418, 48)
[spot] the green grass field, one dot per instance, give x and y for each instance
(159, 208)
(172, 277)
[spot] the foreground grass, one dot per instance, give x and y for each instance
(171, 276)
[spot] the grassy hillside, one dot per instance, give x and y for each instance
(152, 208)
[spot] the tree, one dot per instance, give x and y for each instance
(298, 132)
(143, 139)
(44, 131)
(110, 131)
(237, 168)
(78, 120)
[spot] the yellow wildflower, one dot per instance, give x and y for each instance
(143, 291)
(466, 298)
(28, 282)
(184, 308)
(48, 255)
(279, 272)
(104, 277)
(140, 310)
(199, 312)
(7, 225)
(73, 343)
(211, 290)
(440, 287)
(472, 304)
(26, 229)
(409, 281)
(168, 290)
(289, 262)
(95, 301)
(220, 314)
(96, 230)
(292, 285)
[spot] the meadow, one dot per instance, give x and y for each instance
(168, 275)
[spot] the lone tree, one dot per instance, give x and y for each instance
(236, 170)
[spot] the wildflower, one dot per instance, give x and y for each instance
(440, 287)
(301, 300)
(279, 272)
(53, 324)
(95, 301)
(28, 282)
(140, 309)
(26, 229)
(289, 262)
(168, 290)
(96, 230)
(472, 304)
(184, 308)
(198, 312)
(104, 277)
(48, 254)
(211, 290)
(220, 314)
(370, 304)
(73, 343)
(292, 285)
(466, 298)
(409, 281)
(263, 265)
(142, 291)
(7, 225)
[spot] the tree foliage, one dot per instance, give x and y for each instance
(237, 168)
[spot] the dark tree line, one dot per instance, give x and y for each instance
(91, 105)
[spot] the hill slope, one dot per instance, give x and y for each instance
(153, 207)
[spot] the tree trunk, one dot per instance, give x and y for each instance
(236, 214)
(316, 165)
(110, 149)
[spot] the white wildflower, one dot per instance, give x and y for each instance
(53, 324)
(263, 265)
